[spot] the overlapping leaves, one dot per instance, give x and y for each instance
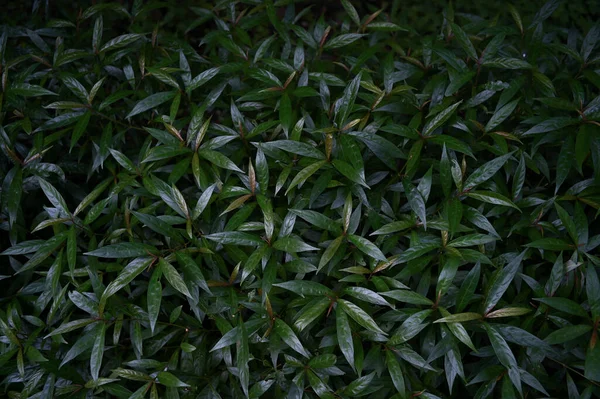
(250, 199)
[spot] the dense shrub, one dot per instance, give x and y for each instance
(253, 199)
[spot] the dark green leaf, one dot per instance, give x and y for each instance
(150, 102)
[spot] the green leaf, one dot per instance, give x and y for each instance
(316, 219)
(129, 272)
(416, 201)
(508, 312)
(445, 173)
(70, 326)
(44, 251)
(415, 252)
(158, 225)
(567, 222)
(304, 287)
(383, 149)
(322, 361)
(592, 288)
(504, 354)
(447, 274)
(329, 253)
(394, 227)
(120, 41)
(502, 279)
(551, 124)
(322, 390)
(169, 380)
(492, 198)
(507, 63)
(451, 143)
(412, 326)
(202, 78)
(29, 90)
(592, 363)
(454, 210)
(551, 244)
(72, 249)
(304, 174)
(164, 152)
(367, 247)
(471, 240)
(343, 107)
(292, 244)
(295, 147)
(92, 196)
(243, 357)
(350, 172)
(13, 195)
(154, 296)
(122, 250)
(173, 277)
(460, 318)
(235, 238)
(97, 352)
(564, 305)
(351, 12)
(565, 160)
(485, 172)
(289, 337)
(203, 202)
(359, 385)
(464, 41)
(590, 41)
(342, 40)
(344, 335)
(360, 316)
(395, 372)
(77, 88)
(262, 170)
(54, 196)
(310, 313)
(439, 119)
(583, 145)
(567, 334)
(367, 295)
(285, 112)
(191, 270)
(150, 102)
(468, 287)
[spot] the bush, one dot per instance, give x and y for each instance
(256, 199)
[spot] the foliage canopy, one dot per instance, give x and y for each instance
(257, 199)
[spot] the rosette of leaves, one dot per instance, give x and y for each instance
(266, 199)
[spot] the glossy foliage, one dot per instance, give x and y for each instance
(259, 199)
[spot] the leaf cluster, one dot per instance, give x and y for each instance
(258, 199)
